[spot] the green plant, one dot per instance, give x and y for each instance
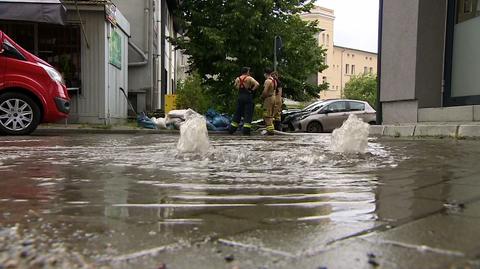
(362, 87)
(192, 94)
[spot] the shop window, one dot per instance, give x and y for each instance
(466, 51)
(60, 46)
(22, 33)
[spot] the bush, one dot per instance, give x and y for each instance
(362, 87)
(192, 94)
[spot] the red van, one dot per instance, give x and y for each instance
(31, 90)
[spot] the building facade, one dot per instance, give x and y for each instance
(90, 51)
(153, 60)
(430, 60)
(343, 63)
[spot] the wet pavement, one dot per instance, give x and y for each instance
(123, 201)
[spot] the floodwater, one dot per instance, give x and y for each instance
(126, 201)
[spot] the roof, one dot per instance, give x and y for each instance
(365, 51)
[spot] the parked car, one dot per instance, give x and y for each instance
(331, 115)
(31, 90)
(289, 117)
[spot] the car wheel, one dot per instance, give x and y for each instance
(19, 114)
(314, 127)
(290, 127)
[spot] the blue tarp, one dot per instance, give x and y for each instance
(217, 121)
(145, 122)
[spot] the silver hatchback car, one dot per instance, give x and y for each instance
(332, 114)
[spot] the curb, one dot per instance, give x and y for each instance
(435, 130)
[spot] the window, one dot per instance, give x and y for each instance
(324, 79)
(347, 68)
(353, 55)
(365, 70)
(337, 107)
(328, 39)
(323, 39)
(371, 70)
(11, 52)
(465, 52)
(60, 46)
(353, 69)
(348, 54)
(356, 106)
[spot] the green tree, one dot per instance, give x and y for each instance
(362, 87)
(221, 36)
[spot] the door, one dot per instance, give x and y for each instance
(335, 115)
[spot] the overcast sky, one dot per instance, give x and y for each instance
(356, 23)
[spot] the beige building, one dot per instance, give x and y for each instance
(343, 63)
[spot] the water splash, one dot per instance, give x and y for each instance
(352, 137)
(193, 134)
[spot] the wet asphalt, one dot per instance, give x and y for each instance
(132, 201)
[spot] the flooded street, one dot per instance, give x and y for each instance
(126, 201)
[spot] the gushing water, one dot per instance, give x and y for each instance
(193, 134)
(352, 137)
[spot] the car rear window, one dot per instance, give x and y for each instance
(356, 106)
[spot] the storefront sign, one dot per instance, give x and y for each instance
(115, 45)
(111, 13)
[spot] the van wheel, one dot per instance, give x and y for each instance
(19, 114)
(314, 127)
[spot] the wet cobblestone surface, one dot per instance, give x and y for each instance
(124, 201)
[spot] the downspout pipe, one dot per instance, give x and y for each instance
(140, 52)
(163, 79)
(379, 64)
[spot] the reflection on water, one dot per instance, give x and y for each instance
(110, 195)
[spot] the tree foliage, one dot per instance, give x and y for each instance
(362, 87)
(221, 36)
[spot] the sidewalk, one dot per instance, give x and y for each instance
(459, 130)
(462, 130)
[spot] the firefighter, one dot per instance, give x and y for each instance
(277, 121)
(246, 86)
(268, 96)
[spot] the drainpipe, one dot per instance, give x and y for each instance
(379, 63)
(163, 24)
(146, 37)
(140, 51)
